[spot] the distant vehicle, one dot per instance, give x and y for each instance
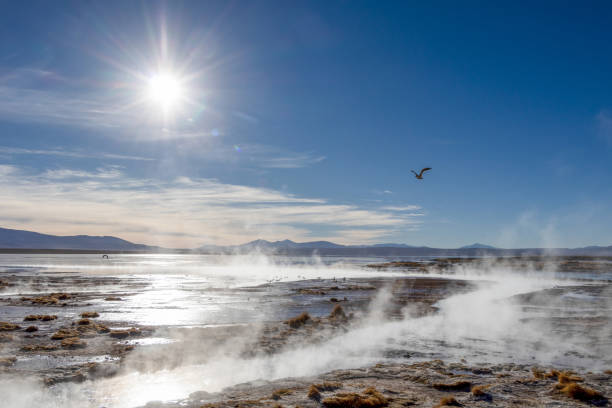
(420, 175)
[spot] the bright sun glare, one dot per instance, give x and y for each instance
(165, 89)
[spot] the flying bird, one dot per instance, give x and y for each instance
(420, 175)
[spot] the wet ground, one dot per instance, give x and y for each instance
(174, 326)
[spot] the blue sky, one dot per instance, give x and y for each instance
(302, 120)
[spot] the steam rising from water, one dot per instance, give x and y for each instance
(488, 325)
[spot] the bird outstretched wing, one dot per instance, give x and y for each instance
(424, 170)
(415, 173)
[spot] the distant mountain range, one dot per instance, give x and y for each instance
(18, 239)
(478, 246)
(12, 240)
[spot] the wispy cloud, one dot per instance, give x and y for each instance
(183, 212)
(54, 107)
(402, 208)
(293, 161)
(112, 172)
(69, 153)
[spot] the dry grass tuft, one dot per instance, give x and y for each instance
(100, 328)
(337, 313)
(5, 338)
(581, 393)
(6, 326)
(51, 299)
(44, 318)
(7, 361)
(112, 298)
(119, 334)
(90, 315)
(313, 393)
(609, 372)
(298, 321)
(448, 402)
(479, 390)
(276, 395)
(31, 329)
(84, 322)
(538, 373)
(563, 377)
(370, 398)
(456, 386)
(38, 347)
(328, 386)
(73, 343)
(566, 377)
(64, 333)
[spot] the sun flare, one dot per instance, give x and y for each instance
(165, 90)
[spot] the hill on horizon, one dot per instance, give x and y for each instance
(477, 245)
(20, 239)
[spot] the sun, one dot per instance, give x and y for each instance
(165, 90)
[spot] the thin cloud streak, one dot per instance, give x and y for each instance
(402, 208)
(292, 162)
(70, 153)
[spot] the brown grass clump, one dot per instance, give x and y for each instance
(313, 393)
(337, 313)
(328, 386)
(456, 386)
(38, 347)
(51, 299)
(84, 322)
(100, 328)
(5, 338)
(31, 329)
(73, 343)
(538, 373)
(370, 398)
(566, 377)
(448, 402)
(479, 390)
(276, 395)
(64, 333)
(112, 298)
(609, 372)
(6, 326)
(581, 393)
(44, 318)
(563, 377)
(119, 334)
(298, 321)
(7, 361)
(90, 315)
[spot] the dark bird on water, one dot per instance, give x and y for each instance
(420, 175)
